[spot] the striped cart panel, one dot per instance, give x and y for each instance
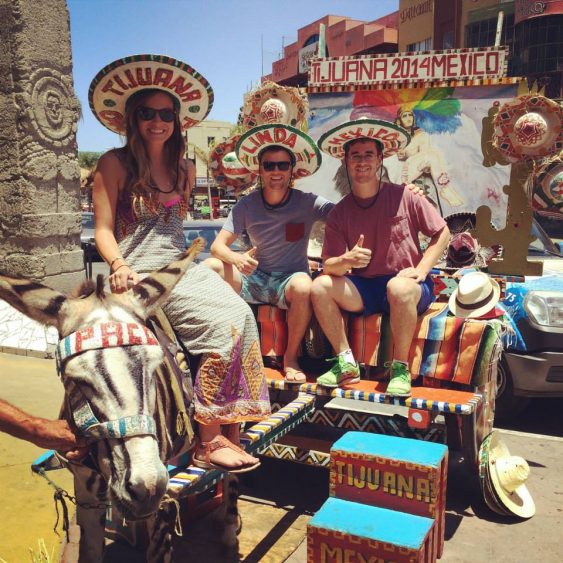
(299, 455)
(191, 480)
(423, 398)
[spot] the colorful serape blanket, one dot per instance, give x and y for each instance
(444, 347)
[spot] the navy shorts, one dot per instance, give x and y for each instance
(373, 292)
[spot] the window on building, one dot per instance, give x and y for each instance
(483, 33)
(448, 39)
(210, 141)
(424, 45)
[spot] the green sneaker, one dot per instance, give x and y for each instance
(340, 374)
(400, 382)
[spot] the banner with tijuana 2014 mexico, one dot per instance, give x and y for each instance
(118, 81)
(405, 68)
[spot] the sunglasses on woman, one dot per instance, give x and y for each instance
(271, 165)
(147, 114)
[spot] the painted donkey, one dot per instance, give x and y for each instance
(107, 359)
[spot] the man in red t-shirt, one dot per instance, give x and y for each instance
(372, 253)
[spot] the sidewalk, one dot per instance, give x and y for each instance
(27, 510)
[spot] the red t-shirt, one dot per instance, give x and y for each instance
(390, 228)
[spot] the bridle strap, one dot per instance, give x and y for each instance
(109, 334)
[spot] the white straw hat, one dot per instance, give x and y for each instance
(475, 295)
(506, 475)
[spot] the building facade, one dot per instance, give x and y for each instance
(532, 30)
(343, 36)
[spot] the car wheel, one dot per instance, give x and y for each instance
(507, 405)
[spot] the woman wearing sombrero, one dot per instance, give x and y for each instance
(141, 194)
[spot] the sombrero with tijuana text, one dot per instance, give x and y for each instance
(392, 137)
(118, 81)
(307, 155)
(227, 169)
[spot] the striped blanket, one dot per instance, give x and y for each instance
(445, 347)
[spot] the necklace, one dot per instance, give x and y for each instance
(156, 188)
(271, 207)
(370, 204)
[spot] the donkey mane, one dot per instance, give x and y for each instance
(87, 287)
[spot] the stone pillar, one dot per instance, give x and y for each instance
(40, 220)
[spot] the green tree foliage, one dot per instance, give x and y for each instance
(88, 159)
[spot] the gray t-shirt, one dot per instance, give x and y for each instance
(281, 235)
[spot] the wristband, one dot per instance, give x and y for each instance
(124, 264)
(115, 260)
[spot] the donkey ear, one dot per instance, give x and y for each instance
(34, 300)
(153, 290)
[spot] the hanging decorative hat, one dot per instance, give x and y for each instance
(503, 477)
(548, 188)
(119, 80)
(528, 127)
(253, 142)
(272, 103)
(392, 137)
(227, 169)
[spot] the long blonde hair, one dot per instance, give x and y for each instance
(136, 158)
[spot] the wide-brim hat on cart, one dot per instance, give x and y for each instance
(392, 137)
(307, 155)
(528, 127)
(114, 85)
(476, 294)
(226, 168)
(272, 103)
(503, 477)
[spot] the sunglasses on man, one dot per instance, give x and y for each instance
(271, 165)
(147, 114)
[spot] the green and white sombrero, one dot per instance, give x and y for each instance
(119, 80)
(226, 168)
(391, 136)
(307, 155)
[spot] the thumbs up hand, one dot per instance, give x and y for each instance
(246, 263)
(358, 257)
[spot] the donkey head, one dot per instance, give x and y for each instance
(106, 358)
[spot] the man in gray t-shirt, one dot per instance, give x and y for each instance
(278, 220)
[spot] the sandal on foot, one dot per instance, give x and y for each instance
(294, 373)
(218, 443)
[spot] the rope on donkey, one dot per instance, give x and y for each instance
(61, 496)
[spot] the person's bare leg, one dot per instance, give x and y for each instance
(227, 271)
(223, 456)
(403, 295)
(329, 295)
(298, 297)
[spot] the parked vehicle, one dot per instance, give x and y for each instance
(209, 230)
(87, 238)
(532, 363)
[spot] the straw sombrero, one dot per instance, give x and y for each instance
(307, 155)
(272, 103)
(391, 136)
(528, 127)
(502, 477)
(119, 80)
(227, 169)
(475, 295)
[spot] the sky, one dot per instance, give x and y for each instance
(222, 39)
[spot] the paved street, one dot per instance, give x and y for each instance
(282, 496)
